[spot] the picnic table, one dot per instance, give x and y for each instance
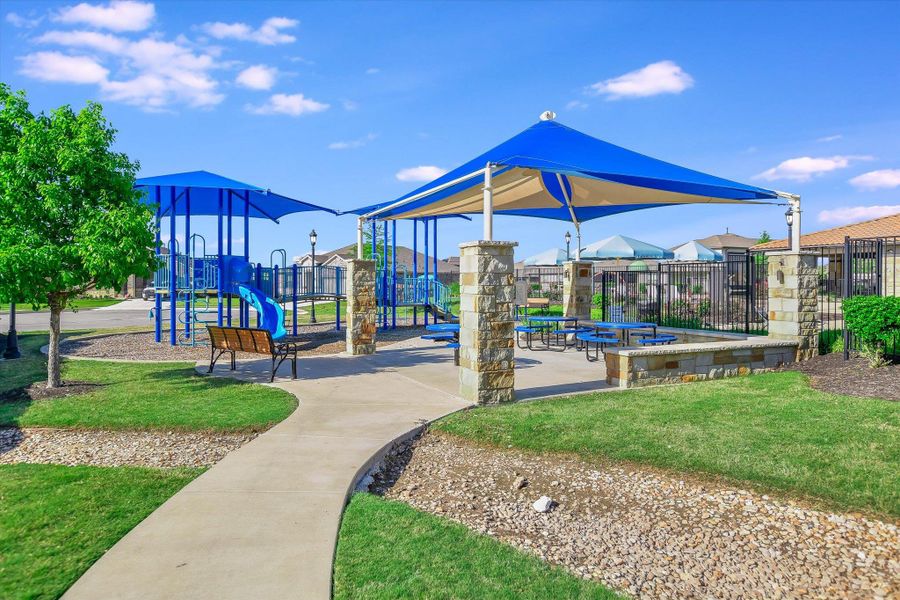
(448, 332)
(626, 328)
(557, 326)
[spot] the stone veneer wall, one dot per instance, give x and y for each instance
(793, 300)
(683, 363)
(577, 289)
(486, 319)
(361, 307)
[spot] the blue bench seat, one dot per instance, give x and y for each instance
(595, 338)
(439, 337)
(453, 345)
(660, 339)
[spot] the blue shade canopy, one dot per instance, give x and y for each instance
(203, 189)
(694, 250)
(553, 256)
(552, 171)
(620, 246)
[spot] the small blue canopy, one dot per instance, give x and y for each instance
(621, 246)
(204, 189)
(553, 256)
(555, 172)
(694, 250)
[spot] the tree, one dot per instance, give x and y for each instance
(70, 218)
(763, 237)
(383, 257)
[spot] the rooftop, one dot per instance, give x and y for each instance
(881, 227)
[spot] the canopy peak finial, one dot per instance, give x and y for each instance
(548, 115)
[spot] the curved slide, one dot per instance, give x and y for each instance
(270, 312)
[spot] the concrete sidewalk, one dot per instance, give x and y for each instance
(263, 522)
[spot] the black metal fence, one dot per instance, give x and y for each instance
(870, 267)
(730, 295)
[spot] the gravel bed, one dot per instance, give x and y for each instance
(117, 448)
(319, 339)
(854, 377)
(645, 532)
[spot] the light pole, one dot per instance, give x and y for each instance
(12, 341)
(789, 217)
(568, 241)
(313, 236)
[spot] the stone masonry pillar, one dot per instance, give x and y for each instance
(577, 289)
(486, 319)
(793, 300)
(361, 307)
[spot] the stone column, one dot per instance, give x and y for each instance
(361, 306)
(793, 300)
(486, 318)
(577, 289)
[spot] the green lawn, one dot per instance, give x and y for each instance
(139, 396)
(771, 430)
(56, 521)
(79, 304)
(388, 549)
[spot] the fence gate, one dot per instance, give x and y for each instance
(871, 268)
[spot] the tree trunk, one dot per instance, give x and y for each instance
(54, 379)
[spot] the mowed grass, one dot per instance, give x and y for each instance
(56, 521)
(771, 430)
(138, 396)
(389, 550)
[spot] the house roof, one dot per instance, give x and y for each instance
(404, 259)
(726, 240)
(881, 227)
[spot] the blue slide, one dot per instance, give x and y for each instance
(270, 312)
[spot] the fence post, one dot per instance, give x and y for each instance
(659, 289)
(747, 294)
(845, 293)
(294, 298)
(604, 300)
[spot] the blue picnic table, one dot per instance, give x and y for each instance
(625, 327)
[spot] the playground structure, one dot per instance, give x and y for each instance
(195, 287)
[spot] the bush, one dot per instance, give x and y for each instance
(597, 300)
(874, 321)
(831, 340)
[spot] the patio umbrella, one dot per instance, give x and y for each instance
(620, 246)
(553, 256)
(694, 250)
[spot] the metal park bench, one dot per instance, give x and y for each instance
(599, 340)
(664, 338)
(253, 341)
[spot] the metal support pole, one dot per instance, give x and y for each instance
(220, 279)
(427, 298)
(258, 285)
(435, 259)
(230, 291)
(488, 205)
(312, 303)
(173, 272)
(359, 237)
(189, 270)
(294, 271)
(157, 297)
(846, 292)
(12, 337)
(415, 281)
(394, 274)
(384, 278)
(247, 254)
(795, 227)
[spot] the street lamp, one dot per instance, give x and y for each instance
(313, 236)
(789, 218)
(12, 341)
(568, 240)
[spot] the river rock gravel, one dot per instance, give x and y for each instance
(117, 448)
(646, 532)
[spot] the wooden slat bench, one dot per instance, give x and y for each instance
(253, 341)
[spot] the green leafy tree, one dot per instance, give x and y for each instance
(70, 219)
(763, 237)
(383, 257)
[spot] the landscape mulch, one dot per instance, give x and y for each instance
(854, 377)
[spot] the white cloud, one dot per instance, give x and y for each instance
(420, 173)
(664, 77)
(373, 71)
(852, 214)
(877, 180)
(257, 77)
(288, 104)
(804, 168)
(351, 144)
(830, 138)
(159, 72)
(104, 42)
(576, 105)
(53, 66)
(17, 20)
(118, 15)
(268, 34)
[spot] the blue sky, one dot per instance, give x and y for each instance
(346, 104)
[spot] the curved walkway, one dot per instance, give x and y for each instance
(263, 522)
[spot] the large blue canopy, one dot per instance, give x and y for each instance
(552, 171)
(204, 189)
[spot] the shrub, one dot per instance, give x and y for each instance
(874, 321)
(597, 299)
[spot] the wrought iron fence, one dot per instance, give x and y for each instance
(867, 267)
